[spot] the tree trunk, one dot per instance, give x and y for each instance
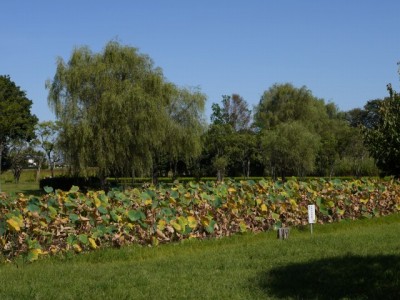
(155, 174)
(102, 175)
(133, 176)
(273, 172)
(17, 170)
(39, 167)
(219, 175)
(175, 175)
(283, 176)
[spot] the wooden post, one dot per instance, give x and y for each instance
(283, 233)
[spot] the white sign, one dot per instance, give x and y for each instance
(311, 214)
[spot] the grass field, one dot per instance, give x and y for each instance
(351, 259)
(27, 188)
(27, 183)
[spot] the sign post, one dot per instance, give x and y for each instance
(311, 216)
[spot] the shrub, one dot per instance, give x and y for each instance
(65, 183)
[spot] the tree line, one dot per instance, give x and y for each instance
(118, 114)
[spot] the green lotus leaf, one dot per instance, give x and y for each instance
(52, 212)
(33, 254)
(135, 215)
(83, 238)
(73, 217)
(74, 189)
(102, 210)
(275, 216)
(210, 227)
(33, 207)
(48, 189)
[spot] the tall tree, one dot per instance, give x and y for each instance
(288, 116)
(231, 142)
(185, 127)
(18, 154)
(290, 148)
(334, 133)
(243, 151)
(113, 109)
(16, 120)
(354, 151)
(47, 135)
(383, 136)
(234, 111)
(217, 142)
(283, 103)
(368, 117)
(38, 157)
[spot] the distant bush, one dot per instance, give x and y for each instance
(129, 181)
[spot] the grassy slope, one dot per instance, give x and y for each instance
(350, 259)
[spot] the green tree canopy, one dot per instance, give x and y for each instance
(47, 136)
(216, 149)
(291, 121)
(382, 137)
(18, 154)
(114, 108)
(185, 126)
(16, 120)
(234, 111)
(243, 151)
(229, 141)
(368, 117)
(290, 148)
(284, 103)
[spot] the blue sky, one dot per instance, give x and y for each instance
(344, 51)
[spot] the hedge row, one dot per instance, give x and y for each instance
(65, 183)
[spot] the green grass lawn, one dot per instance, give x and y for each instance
(352, 260)
(27, 183)
(27, 188)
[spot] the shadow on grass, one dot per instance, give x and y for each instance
(34, 192)
(352, 277)
(27, 192)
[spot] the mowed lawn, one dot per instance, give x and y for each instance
(351, 259)
(27, 183)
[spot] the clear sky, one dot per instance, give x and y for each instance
(344, 51)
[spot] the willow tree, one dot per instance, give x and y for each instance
(185, 127)
(113, 109)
